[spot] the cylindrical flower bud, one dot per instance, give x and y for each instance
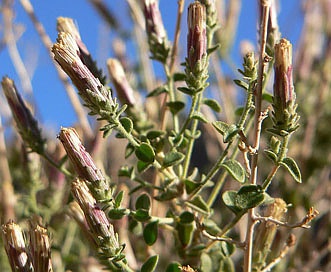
(15, 248)
(40, 247)
(283, 86)
(97, 221)
(122, 86)
(66, 53)
(285, 117)
(265, 232)
(196, 37)
(157, 36)
(26, 124)
(153, 21)
(83, 163)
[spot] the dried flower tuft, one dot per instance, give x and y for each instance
(96, 96)
(26, 124)
(40, 247)
(15, 248)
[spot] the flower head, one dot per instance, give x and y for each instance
(15, 247)
(26, 123)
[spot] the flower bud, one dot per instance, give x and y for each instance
(285, 117)
(157, 36)
(100, 227)
(196, 38)
(84, 164)
(40, 247)
(15, 247)
(26, 124)
(122, 86)
(66, 53)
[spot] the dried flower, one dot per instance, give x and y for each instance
(100, 228)
(26, 124)
(196, 38)
(157, 36)
(15, 248)
(285, 116)
(84, 164)
(40, 247)
(266, 231)
(67, 25)
(122, 86)
(66, 52)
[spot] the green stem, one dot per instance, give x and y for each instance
(57, 166)
(195, 107)
(248, 107)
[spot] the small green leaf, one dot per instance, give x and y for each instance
(151, 232)
(158, 91)
(230, 133)
(239, 111)
(271, 155)
(212, 49)
(175, 106)
(198, 204)
(185, 228)
(118, 199)
(150, 264)
(141, 215)
(117, 213)
(199, 116)
(153, 134)
(126, 171)
(172, 158)
(241, 84)
(129, 150)
(142, 166)
(221, 127)
(185, 90)
(190, 185)
(229, 199)
(168, 194)
(179, 77)
(249, 196)
(235, 169)
(127, 124)
(145, 153)
(212, 103)
(173, 267)
(267, 97)
(143, 202)
(292, 168)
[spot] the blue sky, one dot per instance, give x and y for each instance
(53, 107)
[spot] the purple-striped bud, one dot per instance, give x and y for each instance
(153, 21)
(157, 36)
(14, 244)
(84, 164)
(122, 86)
(285, 116)
(196, 37)
(67, 54)
(98, 223)
(26, 124)
(40, 247)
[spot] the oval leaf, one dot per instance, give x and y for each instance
(199, 116)
(150, 233)
(143, 202)
(293, 168)
(150, 264)
(235, 169)
(175, 106)
(127, 124)
(145, 153)
(229, 199)
(173, 267)
(213, 104)
(172, 158)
